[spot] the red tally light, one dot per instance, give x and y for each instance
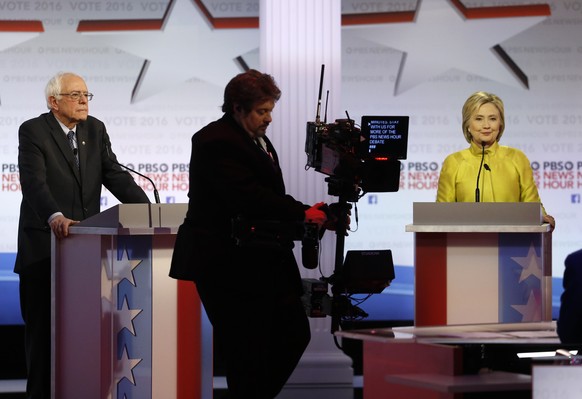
(381, 158)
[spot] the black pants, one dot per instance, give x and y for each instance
(261, 338)
(35, 306)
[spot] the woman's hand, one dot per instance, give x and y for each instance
(552, 222)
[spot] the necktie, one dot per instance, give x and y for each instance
(71, 137)
(263, 148)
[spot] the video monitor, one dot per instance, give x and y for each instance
(384, 137)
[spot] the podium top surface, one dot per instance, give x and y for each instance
(413, 228)
(496, 333)
(477, 217)
(134, 219)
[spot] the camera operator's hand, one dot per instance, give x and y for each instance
(335, 212)
(316, 215)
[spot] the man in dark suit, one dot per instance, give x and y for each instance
(570, 318)
(251, 292)
(61, 174)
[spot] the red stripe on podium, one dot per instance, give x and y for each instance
(430, 279)
(189, 378)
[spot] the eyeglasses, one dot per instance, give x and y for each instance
(76, 95)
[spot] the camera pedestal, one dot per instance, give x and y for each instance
(324, 372)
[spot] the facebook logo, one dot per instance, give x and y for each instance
(575, 198)
(372, 199)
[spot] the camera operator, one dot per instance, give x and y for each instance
(251, 293)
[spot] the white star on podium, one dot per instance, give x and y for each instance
(530, 264)
(125, 317)
(123, 268)
(531, 311)
(187, 47)
(441, 39)
(125, 367)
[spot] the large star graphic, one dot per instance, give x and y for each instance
(13, 33)
(530, 264)
(441, 38)
(186, 47)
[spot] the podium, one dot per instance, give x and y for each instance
(121, 327)
(481, 262)
(451, 362)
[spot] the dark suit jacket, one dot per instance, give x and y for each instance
(52, 183)
(231, 176)
(570, 318)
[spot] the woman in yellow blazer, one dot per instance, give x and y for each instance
(504, 174)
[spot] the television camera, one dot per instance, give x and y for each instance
(356, 160)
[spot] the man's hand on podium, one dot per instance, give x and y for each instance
(60, 226)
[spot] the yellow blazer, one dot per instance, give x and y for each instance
(508, 176)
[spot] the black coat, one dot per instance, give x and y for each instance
(570, 318)
(230, 177)
(52, 183)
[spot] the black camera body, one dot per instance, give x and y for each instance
(358, 159)
(326, 143)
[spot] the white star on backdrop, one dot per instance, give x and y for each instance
(187, 47)
(10, 39)
(441, 39)
(530, 264)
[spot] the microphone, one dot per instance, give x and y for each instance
(317, 114)
(477, 194)
(156, 194)
(487, 168)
